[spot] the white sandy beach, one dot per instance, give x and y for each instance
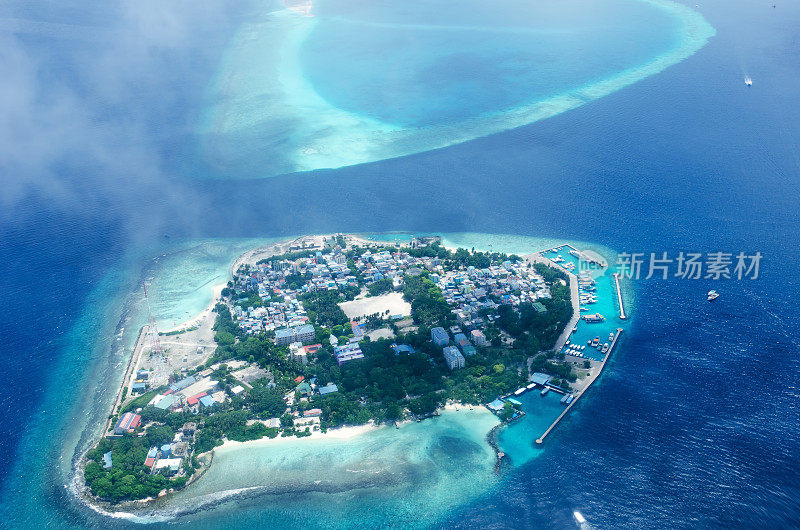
(341, 433)
(196, 321)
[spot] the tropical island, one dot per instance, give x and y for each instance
(324, 332)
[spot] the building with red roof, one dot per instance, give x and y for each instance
(127, 423)
(195, 399)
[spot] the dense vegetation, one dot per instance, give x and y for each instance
(288, 256)
(249, 299)
(461, 257)
(128, 478)
(323, 308)
(381, 385)
(232, 425)
(380, 287)
(428, 306)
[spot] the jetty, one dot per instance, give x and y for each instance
(619, 297)
(594, 378)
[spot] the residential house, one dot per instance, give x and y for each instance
(328, 389)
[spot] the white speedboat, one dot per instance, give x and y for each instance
(712, 295)
(748, 81)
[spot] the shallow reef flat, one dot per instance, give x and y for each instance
(391, 474)
(354, 83)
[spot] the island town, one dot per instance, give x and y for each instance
(330, 331)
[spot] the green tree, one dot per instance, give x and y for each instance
(508, 411)
(159, 435)
(380, 286)
(393, 412)
(264, 401)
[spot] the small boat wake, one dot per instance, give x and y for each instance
(581, 521)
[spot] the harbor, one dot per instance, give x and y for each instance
(586, 342)
(593, 305)
(591, 381)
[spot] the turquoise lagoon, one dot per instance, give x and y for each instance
(406, 476)
(357, 82)
(607, 304)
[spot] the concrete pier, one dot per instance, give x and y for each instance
(619, 297)
(540, 440)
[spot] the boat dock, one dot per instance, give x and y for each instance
(521, 390)
(540, 440)
(619, 296)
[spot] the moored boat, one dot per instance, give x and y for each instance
(597, 317)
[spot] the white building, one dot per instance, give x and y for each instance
(298, 353)
(478, 338)
(348, 352)
(287, 336)
(453, 357)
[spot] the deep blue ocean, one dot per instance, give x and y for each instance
(696, 423)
